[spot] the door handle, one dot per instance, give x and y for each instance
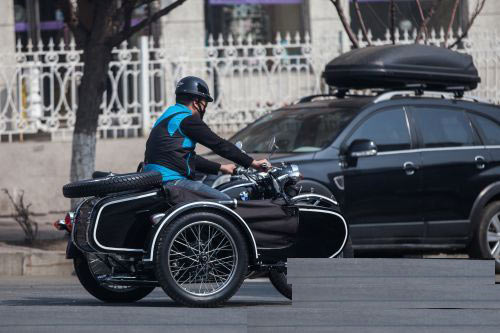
(480, 162)
(409, 168)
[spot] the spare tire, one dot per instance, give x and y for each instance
(112, 184)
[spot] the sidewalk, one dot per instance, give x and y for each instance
(47, 258)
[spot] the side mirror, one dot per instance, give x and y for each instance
(362, 148)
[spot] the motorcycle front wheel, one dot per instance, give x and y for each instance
(278, 279)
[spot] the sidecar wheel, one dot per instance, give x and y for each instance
(201, 259)
(106, 293)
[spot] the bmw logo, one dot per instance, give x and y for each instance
(244, 195)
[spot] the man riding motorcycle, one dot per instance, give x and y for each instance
(170, 148)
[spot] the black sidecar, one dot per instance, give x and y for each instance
(129, 236)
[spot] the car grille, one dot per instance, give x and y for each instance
(82, 224)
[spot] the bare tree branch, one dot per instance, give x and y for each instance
(127, 33)
(70, 12)
(422, 17)
(22, 216)
(392, 16)
(361, 22)
(343, 19)
(424, 23)
(452, 20)
(479, 7)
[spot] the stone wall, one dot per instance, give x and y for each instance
(40, 169)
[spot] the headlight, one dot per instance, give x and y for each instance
(296, 176)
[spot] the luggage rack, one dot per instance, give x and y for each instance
(419, 91)
(408, 91)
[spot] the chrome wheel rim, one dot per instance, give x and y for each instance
(202, 258)
(493, 237)
(99, 268)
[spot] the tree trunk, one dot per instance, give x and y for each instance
(91, 91)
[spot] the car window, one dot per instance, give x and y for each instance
(296, 130)
(388, 129)
(444, 127)
(489, 128)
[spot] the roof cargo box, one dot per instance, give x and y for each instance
(402, 66)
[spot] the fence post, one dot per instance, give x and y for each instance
(144, 75)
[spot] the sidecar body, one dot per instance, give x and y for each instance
(130, 223)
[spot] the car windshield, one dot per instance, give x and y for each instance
(296, 130)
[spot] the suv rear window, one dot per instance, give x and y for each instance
(297, 131)
(444, 127)
(490, 130)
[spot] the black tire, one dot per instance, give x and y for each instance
(112, 184)
(106, 293)
(278, 279)
(162, 267)
(480, 247)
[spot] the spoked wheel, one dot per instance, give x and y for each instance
(88, 267)
(201, 259)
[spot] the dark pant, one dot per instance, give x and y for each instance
(200, 187)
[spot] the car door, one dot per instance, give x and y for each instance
(382, 192)
(452, 159)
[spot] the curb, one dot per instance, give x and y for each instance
(23, 261)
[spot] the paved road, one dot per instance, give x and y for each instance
(61, 305)
(51, 304)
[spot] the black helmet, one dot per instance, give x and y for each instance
(192, 85)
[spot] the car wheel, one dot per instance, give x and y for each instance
(486, 241)
(89, 266)
(201, 259)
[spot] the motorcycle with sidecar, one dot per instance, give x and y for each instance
(130, 234)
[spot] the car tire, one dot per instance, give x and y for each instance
(171, 259)
(112, 184)
(106, 293)
(488, 223)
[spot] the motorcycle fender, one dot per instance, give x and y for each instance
(322, 233)
(71, 250)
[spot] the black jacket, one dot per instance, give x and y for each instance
(171, 144)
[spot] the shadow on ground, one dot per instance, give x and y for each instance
(58, 301)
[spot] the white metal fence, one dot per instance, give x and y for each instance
(39, 86)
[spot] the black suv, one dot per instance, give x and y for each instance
(414, 172)
(415, 166)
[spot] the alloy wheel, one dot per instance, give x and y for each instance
(493, 237)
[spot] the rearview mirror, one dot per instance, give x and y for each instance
(362, 148)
